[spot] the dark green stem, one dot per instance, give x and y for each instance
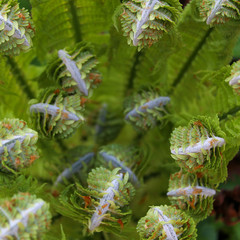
(75, 21)
(130, 84)
(232, 111)
(20, 77)
(188, 63)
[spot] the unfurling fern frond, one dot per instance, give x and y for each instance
(17, 145)
(24, 217)
(146, 110)
(219, 11)
(199, 147)
(234, 79)
(130, 159)
(145, 21)
(191, 194)
(165, 223)
(75, 168)
(104, 205)
(15, 28)
(74, 69)
(57, 115)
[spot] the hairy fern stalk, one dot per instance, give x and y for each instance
(119, 119)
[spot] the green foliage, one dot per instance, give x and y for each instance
(166, 222)
(18, 142)
(191, 193)
(144, 22)
(24, 217)
(199, 147)
(88, 152)
(216, 12)
(104, 204)
(16, 28)
(146, 110)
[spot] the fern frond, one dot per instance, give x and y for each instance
(145, 21)
(199, 148)
(56, 114)
(65, 22)
(219, 11)
(191, 194)
(16, 28)
(24, 217)
(103, 206)
(74, 70)
(75, 168)
(166, 222)
(148, 109)
(213, 94)
(17, 145)
(131, 160)
(197, 49)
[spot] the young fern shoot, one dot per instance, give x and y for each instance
(15, 28)
(192, 194)
(129, 159)
(219, 11)
(197, 149)
(148, 110)
(24, 217)
(75, 168)
(144, 22)
(166, 223)
(17, 145)
(73, 69)
(104, 205)
(57, 115)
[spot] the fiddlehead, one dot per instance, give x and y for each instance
(57, 115)
(17, 145)
(131, 160)
(74, 69)
(75, 168)
(145, 21)
(166, 222)
(191, 194)
(15, 28)
(199, 147)
(219, 11)
(104, 205)
(24, 217)
(146, 110)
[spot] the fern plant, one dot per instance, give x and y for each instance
(119, 117)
